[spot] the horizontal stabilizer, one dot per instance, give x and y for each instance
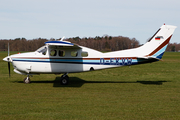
(149, 58)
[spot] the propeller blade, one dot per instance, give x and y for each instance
(8, 60)
(9, 68)
(8, 49)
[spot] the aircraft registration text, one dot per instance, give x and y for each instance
(116, 61)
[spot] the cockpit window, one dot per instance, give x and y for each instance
(42, 50)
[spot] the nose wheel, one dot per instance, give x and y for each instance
(64, 79)
(27, 80)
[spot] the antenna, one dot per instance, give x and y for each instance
(62, 38)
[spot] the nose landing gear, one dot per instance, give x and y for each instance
(27, 80)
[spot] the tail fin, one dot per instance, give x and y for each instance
(157, 44)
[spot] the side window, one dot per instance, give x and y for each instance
(53, 52)
(61, 53)
(74, 53)
(84, 54)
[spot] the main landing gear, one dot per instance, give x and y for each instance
(64, 79)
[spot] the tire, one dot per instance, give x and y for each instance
(27, 80)
(64, 80)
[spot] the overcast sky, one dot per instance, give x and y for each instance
(138, 19)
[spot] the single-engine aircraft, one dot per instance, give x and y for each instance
(63, 57)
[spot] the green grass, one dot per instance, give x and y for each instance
(148, 91)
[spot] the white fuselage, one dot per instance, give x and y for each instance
(35, 62)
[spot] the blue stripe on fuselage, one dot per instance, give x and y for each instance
(101, 61)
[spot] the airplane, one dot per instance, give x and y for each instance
(63, 57)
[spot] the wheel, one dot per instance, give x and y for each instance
(27, 80)
(64, 80)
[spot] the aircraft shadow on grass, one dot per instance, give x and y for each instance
(77, 82)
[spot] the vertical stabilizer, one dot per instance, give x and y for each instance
(157, 44)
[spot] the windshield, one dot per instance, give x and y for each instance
(42, 50)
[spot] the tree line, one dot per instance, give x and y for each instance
(104, 43)
(21, 44)
(173, 47)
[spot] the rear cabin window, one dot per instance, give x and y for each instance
(74, 53)
(61, 53)
(53, 52)
(84, 54)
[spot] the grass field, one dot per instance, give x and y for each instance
(147, 91)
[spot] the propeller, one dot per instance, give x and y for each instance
(9, 69)
(8, 59)
(9, 62)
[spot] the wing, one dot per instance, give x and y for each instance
(62, 43)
